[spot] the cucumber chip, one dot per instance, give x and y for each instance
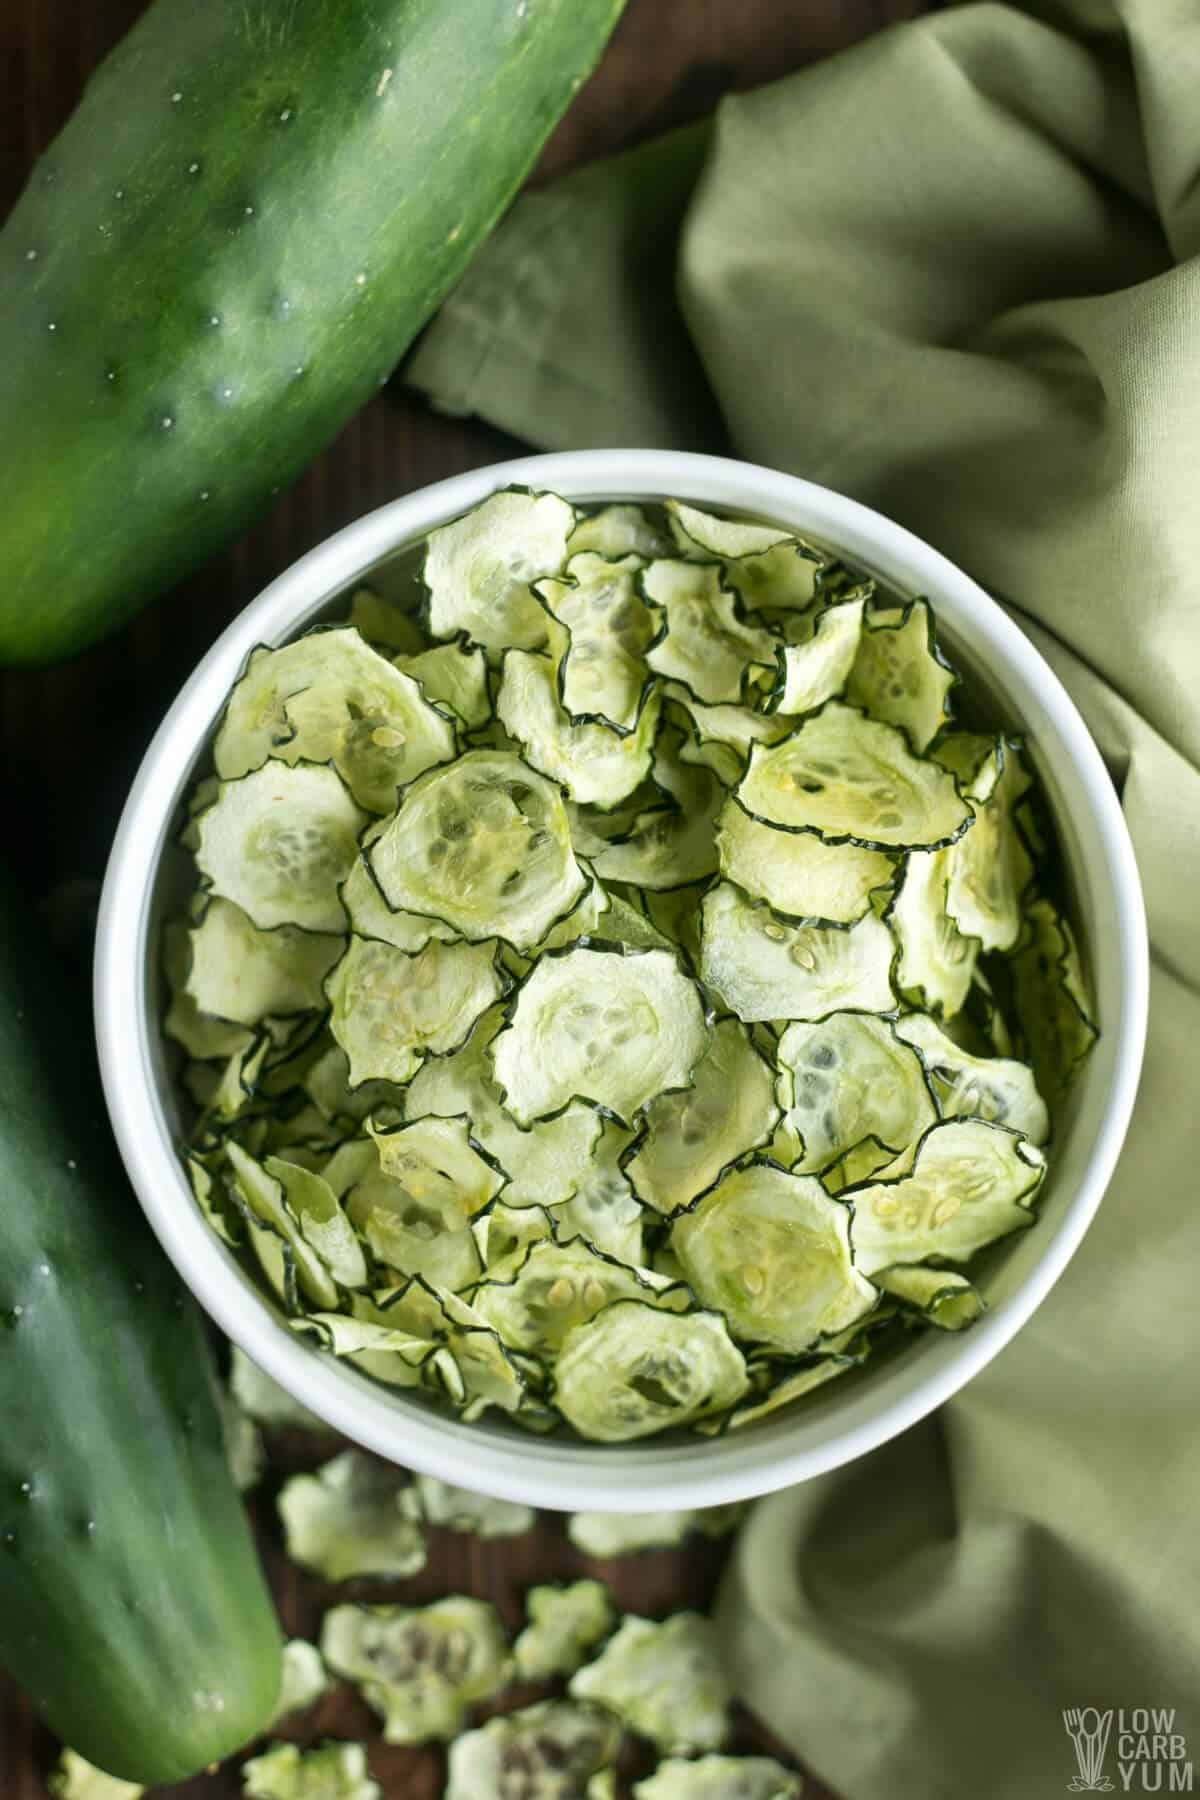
(479, 570)
(334, 1771)
(610, 1535)
(970, 1184)
(766, 968)
(441, 1503)
(279, 843)
(665, 1681)
(852, 779)
(346, 1520)
(419, 1668)
(556, 1750)
(610, 1026)
(635, 1369)
(771, 1250)
(796, 872)
(483, 845)
(563, 1625)
(615, 993)
(720, 1778)
(305, 1680)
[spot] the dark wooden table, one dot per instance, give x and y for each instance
(71, 737)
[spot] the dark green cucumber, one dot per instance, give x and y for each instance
(253, 211)
(132, 1607)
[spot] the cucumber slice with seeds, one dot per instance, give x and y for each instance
(560, 1286)
(693, 1135)
(779, 583)
(1051, 999)
(814, 670)
(700, 533)
(279, 843)
(669, 845)
(848, 1079)
(720, 1778)
(370, 916)
(389, 1009)
(765, 968)
(480, 569)
(330, 1772)
(328, 697)
(636, 1369)
(616, 531)
(970, 1184)
(200, 1035)
(454, 675)
(994, 1088)
(990, 868)
(602, 674)
(595, 766)
(941, 1296)
(483, 845)
(899, 675)
(345, 1521)
(731, 729)
(937, 963)
(564, 1623)
(771, 1251)
(796, 872)
(853, 779)
(704, 645)
(318, 1213)
(613, 1027)
(556, 1750)
(665, 1681)
(265, 1205)
(240, 973)
(604, 1210)
(419, 1668)
(545, 1163)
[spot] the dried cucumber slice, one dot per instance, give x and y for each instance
(441, 1503)
(847, 1079)
(556, 1750)
(604, 1208)
(419, 1668)
(389, 1009)
(665, 1681)
(334, 1771)
(455, 675)
(790, 1387)
(595, 765)
(607, 628)
(564, 1624)
(385, 624)
(671, 844)
(560, 1286)
(279, 843)
(765, 968)
(772, 1251)
(990, 868)
(484, 845)
(1052, 1004)
(692, 1135)
(704, 534)
(970, 1184)
(940, 1296)
(479, 570)
(200, 1034)
(636, 1369)
(609, 1535)
(241, 973)
(720, 1778)
(728, 733)
(796, 872)
(323, 1225)
(853, 779)
(614, 1027)
(328, 697)
(810, 672)
(546, 1162)
(414, 1211)
(616, 531)
(899, 675)
(703, 645)
(936, 964)
(305, 1680)
(74, 1778)
(998, 1089)
(345, 1520)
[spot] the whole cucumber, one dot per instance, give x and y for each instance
(255, 208)
(132, 1607)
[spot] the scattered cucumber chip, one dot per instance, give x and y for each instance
(615, 994)
(564, 1624)
(305, 1679)
(665, 1681)
(263, 1399)
(420, 1668)
(609, 1535)
(480, 570)
(720, 1778)
(330, 1772)
(346, 1520)
(556, 1750)
(74, 1778)
(441, 1503)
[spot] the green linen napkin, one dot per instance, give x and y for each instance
(956, 273)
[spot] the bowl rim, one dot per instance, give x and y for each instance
(553, 1473)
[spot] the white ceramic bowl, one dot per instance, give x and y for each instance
(840, 1422)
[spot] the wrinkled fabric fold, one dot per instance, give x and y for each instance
(954, 272)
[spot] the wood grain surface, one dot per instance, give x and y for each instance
(72, 736)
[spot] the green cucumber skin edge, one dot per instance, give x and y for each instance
(132, 1606)
(256, 206)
